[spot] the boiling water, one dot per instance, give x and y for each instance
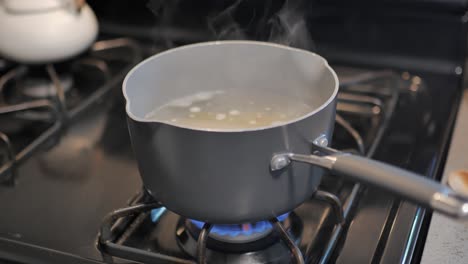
(221, 110)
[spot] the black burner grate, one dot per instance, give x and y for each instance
(45, 119)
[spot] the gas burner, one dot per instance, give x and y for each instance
(44, 88)
(241, 233)
(273, 241)
(37, 103)
(232, 244)
(243, 241)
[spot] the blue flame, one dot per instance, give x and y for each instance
(157, 213)
(245, 229)
(227, 230)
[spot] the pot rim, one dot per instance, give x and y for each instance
(229, 42)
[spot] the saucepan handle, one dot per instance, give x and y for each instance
(403, 183)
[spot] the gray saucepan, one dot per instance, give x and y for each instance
(246, 175)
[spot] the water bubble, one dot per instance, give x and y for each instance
(220, 116)
(173, 120)
(259, 115)
(195, 109)
(251, 102)
(182, 102)
(234, 112)
(204, 95)
(252, 122)
(267, 108)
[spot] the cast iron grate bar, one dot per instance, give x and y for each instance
(353, 198)
(109, 249)
(201, 243)
(299, 259)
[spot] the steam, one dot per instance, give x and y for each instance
(165, 11)
(274, 21)
(288, 26)
(224, 26)
(285, 26)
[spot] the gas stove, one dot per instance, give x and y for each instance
(70, 188)
(92, 160)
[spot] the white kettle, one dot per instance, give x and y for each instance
(45, 31)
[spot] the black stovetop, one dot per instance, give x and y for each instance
(55, 209)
